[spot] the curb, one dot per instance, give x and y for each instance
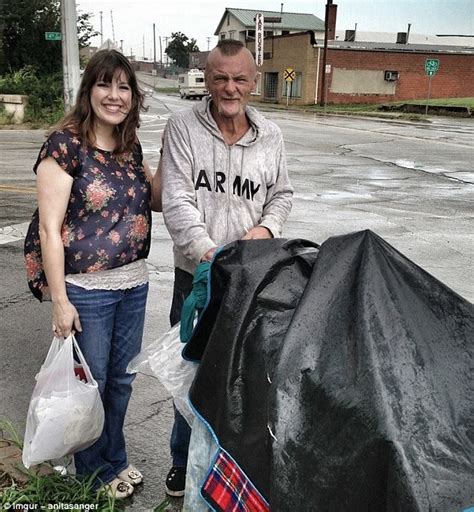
(12, 466)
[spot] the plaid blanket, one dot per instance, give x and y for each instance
(228, 489)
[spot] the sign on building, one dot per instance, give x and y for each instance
(259, 34)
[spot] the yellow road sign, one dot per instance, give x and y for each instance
(289, 74)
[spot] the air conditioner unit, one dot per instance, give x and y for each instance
(391, 76)
(402, 37)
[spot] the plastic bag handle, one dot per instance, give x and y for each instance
(53, 351)
(82, 360)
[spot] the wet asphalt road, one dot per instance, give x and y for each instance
(411, 183)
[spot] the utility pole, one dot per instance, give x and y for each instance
(70, 50)
(101, 30)
(208, 41)
(143, 43)
(325, 52)
(121, 45)
(113, 30)
(166, 46)
(161, 54)
(154, 47)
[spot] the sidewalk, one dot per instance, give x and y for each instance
(156, 82)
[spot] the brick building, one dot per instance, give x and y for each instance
(361, 72)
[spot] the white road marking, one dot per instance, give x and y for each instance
(9, 234)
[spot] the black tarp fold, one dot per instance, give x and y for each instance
(338, 379)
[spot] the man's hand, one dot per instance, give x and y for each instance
(209, 254)
(257, 233)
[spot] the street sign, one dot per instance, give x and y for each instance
(52, 36)
(289, 74)
(259, 35)
(431, 66)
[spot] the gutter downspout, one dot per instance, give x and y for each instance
(316, 88)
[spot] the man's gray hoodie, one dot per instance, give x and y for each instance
(214, 193)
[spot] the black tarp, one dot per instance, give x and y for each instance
(338, 380)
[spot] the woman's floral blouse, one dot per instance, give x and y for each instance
(108, 218)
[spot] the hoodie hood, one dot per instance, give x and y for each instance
(203, 113)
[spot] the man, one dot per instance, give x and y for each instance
(224, 179)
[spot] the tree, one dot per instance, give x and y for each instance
(23, 42)
(179, 48)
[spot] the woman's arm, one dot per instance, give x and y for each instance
(54, 188)
(155, 185)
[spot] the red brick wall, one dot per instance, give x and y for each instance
(454, 79)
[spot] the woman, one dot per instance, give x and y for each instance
(93, 220)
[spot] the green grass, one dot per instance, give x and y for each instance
(355, 108)
(463, 102)
(56, 489)
(49, 489)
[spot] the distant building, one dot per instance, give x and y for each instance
(361, 72)
(355, 35)
(108, 44)
(197, 60)
(240, 24)
(86, 53)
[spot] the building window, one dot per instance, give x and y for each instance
(271, 85)
(223, 35)
(231, 34)
(292, 89)
(250, 34)
(228, 19)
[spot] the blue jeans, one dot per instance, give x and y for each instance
(181, 433)
(112, 328)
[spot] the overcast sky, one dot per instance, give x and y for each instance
(133, 19)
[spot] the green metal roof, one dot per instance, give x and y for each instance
(294, 21)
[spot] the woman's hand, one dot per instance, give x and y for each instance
(65, 319)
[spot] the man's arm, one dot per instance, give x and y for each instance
(180, 212)
(278, 202)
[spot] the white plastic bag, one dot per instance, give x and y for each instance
(65, 413)
(175, 373)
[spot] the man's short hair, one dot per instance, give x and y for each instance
(230, 47)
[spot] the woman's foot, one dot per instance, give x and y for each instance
(131, 475)
(118, 489)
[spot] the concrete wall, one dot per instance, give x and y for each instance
(15, 105)
(359, 81)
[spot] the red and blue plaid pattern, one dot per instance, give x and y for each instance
(227, 488)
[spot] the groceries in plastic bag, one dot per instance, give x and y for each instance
(66, 414)
(175, 373)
